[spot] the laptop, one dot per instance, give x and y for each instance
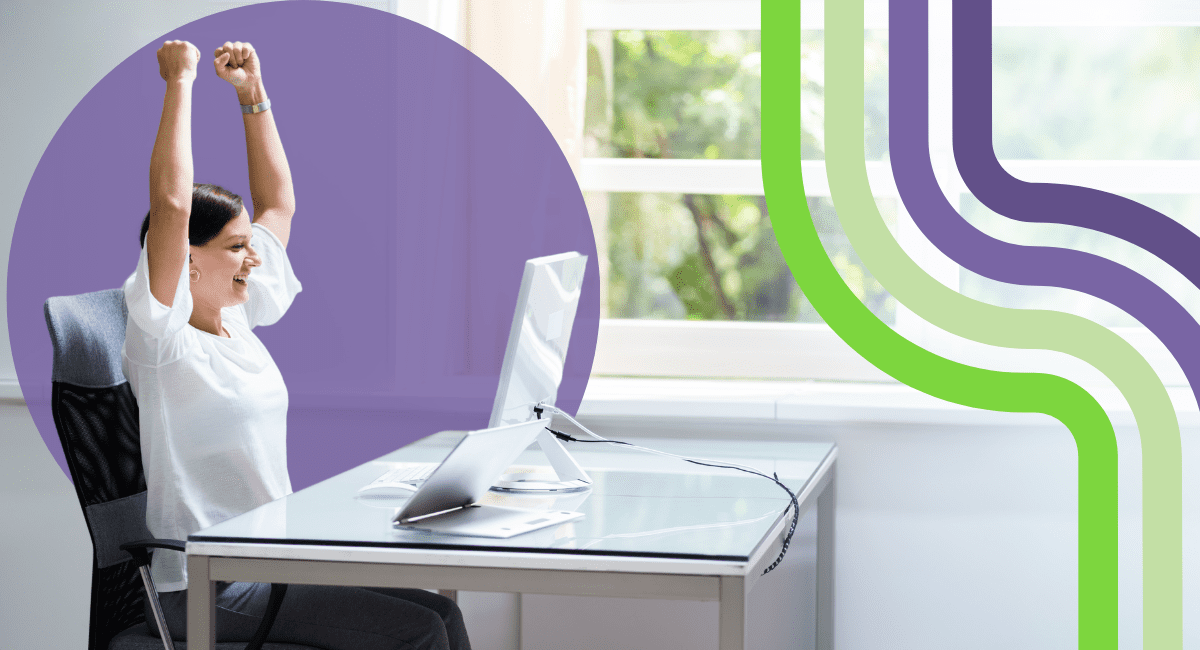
(447, 501)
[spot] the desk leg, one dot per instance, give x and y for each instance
(826, 537)
(201, 605)
(452, 594)
(732, 626)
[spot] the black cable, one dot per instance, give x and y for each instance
(795, 504)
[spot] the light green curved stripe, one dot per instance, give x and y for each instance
(970, 319)
(783, 180)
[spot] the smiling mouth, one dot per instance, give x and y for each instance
(240, 279)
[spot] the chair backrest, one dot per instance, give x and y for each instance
(97, 421)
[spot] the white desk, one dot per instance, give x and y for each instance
(653, 527)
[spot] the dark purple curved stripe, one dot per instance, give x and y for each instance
(974, 250)
(1101, 211)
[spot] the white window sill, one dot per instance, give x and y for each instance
(819, 402)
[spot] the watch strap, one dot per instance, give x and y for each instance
(251, 109)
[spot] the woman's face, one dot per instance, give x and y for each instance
(220, 268)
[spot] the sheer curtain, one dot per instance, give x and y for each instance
(540, 47)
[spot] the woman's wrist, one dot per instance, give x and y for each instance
(251, 93)
(178, 91)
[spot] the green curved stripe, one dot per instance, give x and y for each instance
(912, 365)
(970, 319)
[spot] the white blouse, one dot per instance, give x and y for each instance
(213, 410)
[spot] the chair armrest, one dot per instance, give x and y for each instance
(140, 550)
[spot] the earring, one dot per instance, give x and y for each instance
(195, 275)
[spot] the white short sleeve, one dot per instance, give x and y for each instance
(152, 320)
(272, 285)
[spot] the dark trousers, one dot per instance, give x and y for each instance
(330, 618)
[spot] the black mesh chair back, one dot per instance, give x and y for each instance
(97, 420)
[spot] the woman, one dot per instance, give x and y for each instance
(213, 406)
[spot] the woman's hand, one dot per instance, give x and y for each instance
(177, 60)
(270, 177)
(237, 63)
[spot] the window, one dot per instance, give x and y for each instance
(673, 182)
(1080, 99)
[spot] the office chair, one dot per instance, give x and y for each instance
(97, 420)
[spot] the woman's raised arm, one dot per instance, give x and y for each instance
(270, 177)
(171, 171)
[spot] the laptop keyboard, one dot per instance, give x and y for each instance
(410, 474)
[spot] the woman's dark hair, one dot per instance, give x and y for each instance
(212, 207)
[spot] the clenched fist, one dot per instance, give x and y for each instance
(178, 60)
(237, 63)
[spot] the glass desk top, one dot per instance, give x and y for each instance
(640, 504)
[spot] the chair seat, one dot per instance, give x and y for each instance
(138, 637)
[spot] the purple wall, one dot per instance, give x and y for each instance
(423, 181)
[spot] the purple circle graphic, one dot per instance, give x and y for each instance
(423, 182)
